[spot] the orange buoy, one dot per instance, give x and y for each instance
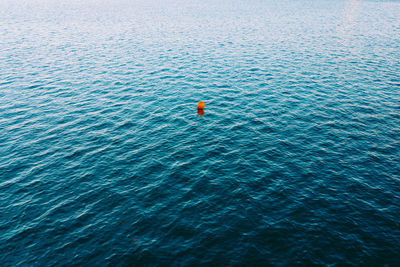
(201, 105)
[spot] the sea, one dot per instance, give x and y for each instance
(106, 161)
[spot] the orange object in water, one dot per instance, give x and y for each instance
(201, 105)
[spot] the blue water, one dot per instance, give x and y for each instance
(104, 160)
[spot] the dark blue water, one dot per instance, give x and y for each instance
(105, 161)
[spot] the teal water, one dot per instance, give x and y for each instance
(105, 161)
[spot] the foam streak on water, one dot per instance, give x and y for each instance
(104, 160)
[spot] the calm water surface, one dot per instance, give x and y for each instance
(105, 161)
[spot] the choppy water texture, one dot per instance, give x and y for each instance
(105, 161)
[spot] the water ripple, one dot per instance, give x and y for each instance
(104, 160)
